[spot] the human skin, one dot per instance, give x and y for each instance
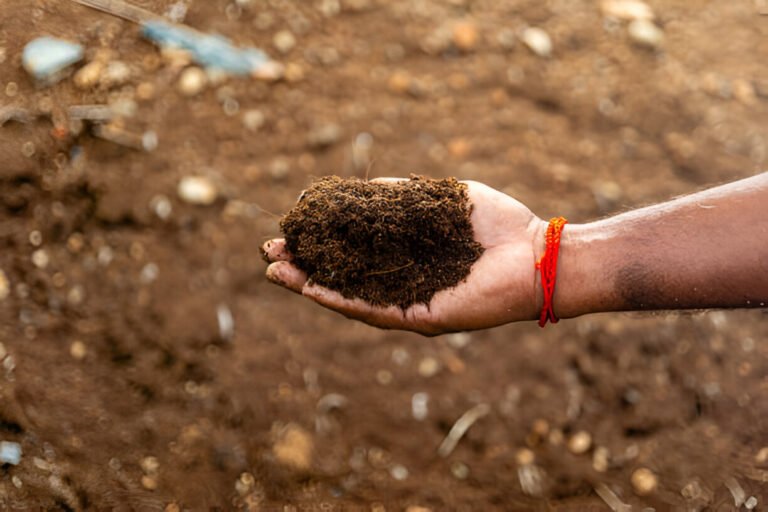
(704, 250)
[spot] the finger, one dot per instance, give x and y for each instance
(288, 275)
(390, 317)
(275, 250)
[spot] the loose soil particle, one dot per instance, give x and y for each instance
(386, 243)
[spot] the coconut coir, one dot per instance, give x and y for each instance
(387, 243)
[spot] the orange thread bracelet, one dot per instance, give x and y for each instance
(547, 264)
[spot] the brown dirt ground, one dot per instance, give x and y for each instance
(301, 409)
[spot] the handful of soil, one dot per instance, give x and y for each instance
(386, 243)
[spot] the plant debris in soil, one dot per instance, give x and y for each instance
(386, 243)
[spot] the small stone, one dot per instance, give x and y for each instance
(254, 119)
(162, 206)
(645, 33)
(692, 490)
(398, 472)
(428, 367)
(465, 36)
(744, 92)
(751, 503)
(459, 470)
(40, 258)
(627, 9)
(10, 453)
(459, 147)
(417, 508)
(172, 507)
(294, 72)
(384, 377)
(28, 149)
(644, 481)
(192, 81)
(11, 89)
(324, 135)
(3, 352)
(245, 484)
(150, 465)
(580, 442)
(329, 8)
(600, 459)
(197, 190)
(420, 406)
(294, 447)
(399, 82)
(46, 58)
(5, 286)
(284, 41)
(279, 168)
(89, 75)
(524, 456)
(762, 455)
(145, 91)
(538, 41)
(77, 350)
(115, 73)
(148, 482)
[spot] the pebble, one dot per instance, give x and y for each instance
(148, 482)
(744, 92)
(279, 168)
(524, 456)
(115, 73)
(645, 33)
(627, 9)
(78, 350)
(150, 465)
(11, 89)
(3, 352)
(762, 455)
(329, 8)
(420, 406)
(428, 367)
(506, 38)
(162, 206)
(324, 135)
(644, 481)
(28, 149)
(254, 119)
(40, 258)
(197, 190)
(284, 41)
(293, 72)
(192, 81)
(89, 75)
(10, 453)
(465, 36)
(417, 508)
(692, 490)
(751, 503)
(399, 472)
(46, 58)
(538, 41)
(600, 459)
(294, 447)
(245, 483)
(5, 286)
(580, 442)
(459, 470)
(399, 82)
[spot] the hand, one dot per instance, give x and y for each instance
(500, 288)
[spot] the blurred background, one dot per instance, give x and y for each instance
(148, 365)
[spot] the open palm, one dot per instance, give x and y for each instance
(499, 289)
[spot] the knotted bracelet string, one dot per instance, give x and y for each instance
(547, 264)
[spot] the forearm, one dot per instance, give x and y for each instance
(705, 250)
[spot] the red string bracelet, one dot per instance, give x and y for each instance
(547, 264)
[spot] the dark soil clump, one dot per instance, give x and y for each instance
(387, 243)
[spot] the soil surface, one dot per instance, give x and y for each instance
(148, 365)
(386, 243)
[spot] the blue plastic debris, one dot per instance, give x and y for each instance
(45, 57)
(210, 51)
(10, 453)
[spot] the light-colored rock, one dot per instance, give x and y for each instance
(324, 135)
(644, 481)
(192, 81)
(40, 258)
(428, 367)
(294, 447)
(645, 33)
(580, 442)
(115, 73)
(89, 75)
(198, 190)
(627, 9)
(465, 35)
(5, 286)
(78, 350)
(538, 41)
(254, 119)
(284, 41)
